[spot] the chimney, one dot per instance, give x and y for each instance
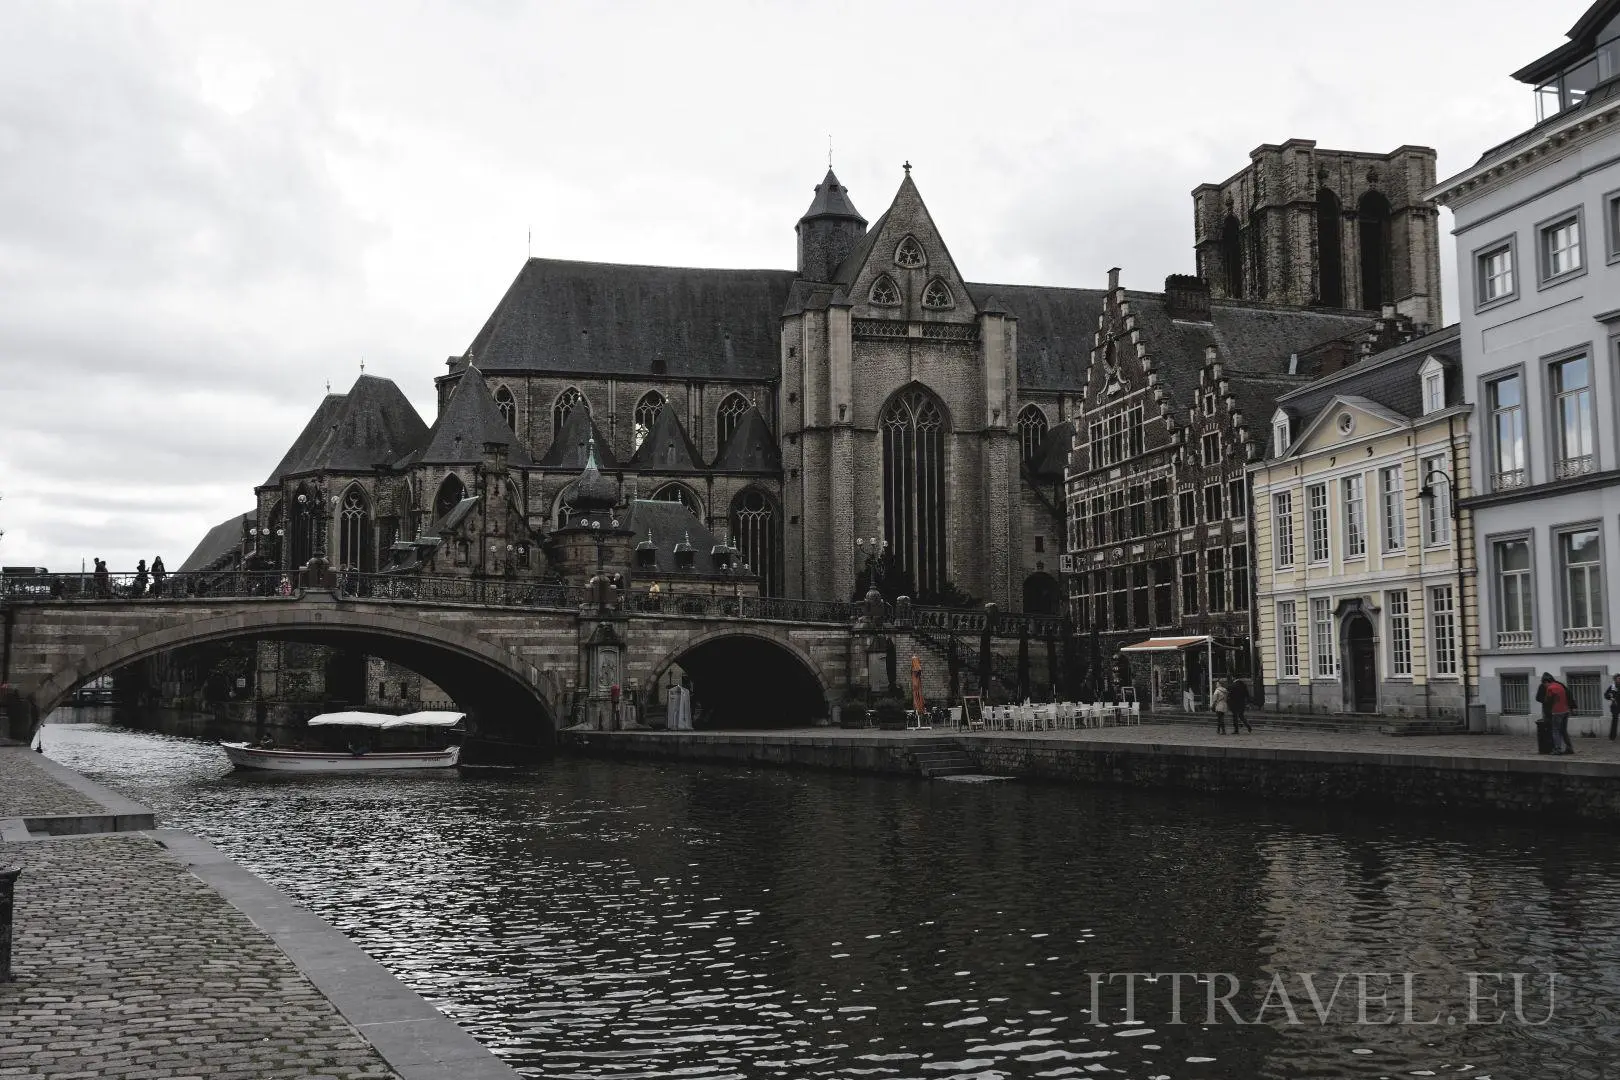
(1187, 297)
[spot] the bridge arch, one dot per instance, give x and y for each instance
(505, 696)
(745, 676)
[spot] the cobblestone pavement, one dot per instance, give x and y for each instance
(1594, 751)
(129, 967)
(28, 791)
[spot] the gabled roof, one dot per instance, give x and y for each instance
(568, 449)
(751, 448)
(219, 543)
(1337, 403)
(454, 516)
(1389, 378)
(469, 420)
(609, 319)
(832, 200)
(1056, 328)
(373, 424)
(667, 447)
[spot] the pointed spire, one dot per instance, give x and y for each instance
(832, 200)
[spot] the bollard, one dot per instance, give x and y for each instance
(8, 888)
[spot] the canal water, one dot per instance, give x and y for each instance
(610, 920)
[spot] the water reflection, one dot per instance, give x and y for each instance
(619, 920)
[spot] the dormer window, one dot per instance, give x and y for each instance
(938, 295)
(1280, 438)
(884, 292)
(1434, 386)
(1567, 87)
(909, 253)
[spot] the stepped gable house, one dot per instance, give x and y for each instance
(871, 391)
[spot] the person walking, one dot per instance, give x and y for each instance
(1555, 704)
(1238, 698)
(1612, 695)
(1218, 703)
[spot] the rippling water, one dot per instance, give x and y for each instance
(627, 920)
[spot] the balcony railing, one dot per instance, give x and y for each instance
(1567, 468)
(1515, 639)
(1508, 479)
(1583, 635)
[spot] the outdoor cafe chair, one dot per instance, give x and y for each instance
(956, 716)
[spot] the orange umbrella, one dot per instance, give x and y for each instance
(916, 687)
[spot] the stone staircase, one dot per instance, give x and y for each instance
(941, 757)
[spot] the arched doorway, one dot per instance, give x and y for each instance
(1362, 664)
(1042, 595)
(913, 426)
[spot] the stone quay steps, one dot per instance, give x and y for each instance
(941, 757)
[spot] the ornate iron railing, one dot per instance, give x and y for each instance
(1583, 635)
(1514, 639)
(492, 592)
(222, 584)
(1508, 479)
(1567, 468)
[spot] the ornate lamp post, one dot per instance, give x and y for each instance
(871, 554)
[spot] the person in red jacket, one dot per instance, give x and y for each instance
(1554, 698)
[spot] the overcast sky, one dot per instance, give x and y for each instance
(208, 210)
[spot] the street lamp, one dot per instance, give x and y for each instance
(872, 550)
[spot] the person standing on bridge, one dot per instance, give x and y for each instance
(137, 588)
(159, 575)
(103, 589)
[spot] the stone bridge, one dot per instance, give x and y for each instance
(514, 656)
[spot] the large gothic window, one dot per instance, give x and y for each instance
(305, 525)
(730, 414)
(913, 428)
(567, 401)
(1374, 224)
(354, 532)
(1031, 433)
(451, 492)
(646, 412)
(678, 493)
(909, 253)
(753, 532)
(1232, 256)
(564, 510)
(885, 292)
(1329, 249)
(938, 295)
(508, 407)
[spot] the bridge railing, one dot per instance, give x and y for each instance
(743, 607)
(496, 592)
(224, 584)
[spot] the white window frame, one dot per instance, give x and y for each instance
(1400, 632)
(1287, 639)
(1392, 499)
(1324, 639)
(1496, 279)
(1611, 222)
(1574, 452)
(1282, 529)
(1317, 526)
(1510, 462)
(1280, 435)
(1437, 518)
(1210, 448)
(1442, 631)
(1433, 374)
(1586, 626)
(1353, 506)
(1524, 581)
(1560, 251)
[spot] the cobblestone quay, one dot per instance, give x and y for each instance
(130, 966)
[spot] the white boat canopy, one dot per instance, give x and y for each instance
(385, 721)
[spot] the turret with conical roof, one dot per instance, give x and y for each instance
(829, 230)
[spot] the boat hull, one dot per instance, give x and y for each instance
(244, 756)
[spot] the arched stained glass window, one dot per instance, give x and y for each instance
(753, 533)
(451, 492)
(909, 253)
(678, 493)
(564, 510)
(913, 427)
(567, 401)
(647, 410)
(508, 407)
(305, 525)
(730, 414)
(885, 292)
(354, 532)
(1032, 431)
(937, 294)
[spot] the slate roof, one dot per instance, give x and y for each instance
(469, 420)
(850, 268)
(666, 525)
(224, 539)
(1390, 379)
(373, 424)
(567, 450)
(667, 447)
(1053, 458)
(611, 319)
(832, 200)
(751, 448)
(1056, 328)
(453, 517)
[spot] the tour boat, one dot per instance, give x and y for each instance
(356, 758)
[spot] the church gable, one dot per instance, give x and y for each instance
(902, 268)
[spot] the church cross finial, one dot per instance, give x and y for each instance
(328, 386)
(907, 167)
(362, 365)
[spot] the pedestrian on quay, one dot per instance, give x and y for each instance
(1612, 695)
(1218, 703)
(1238, 698)
(1554, 698)
(159, 575)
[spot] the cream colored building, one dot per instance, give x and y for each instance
(1365, 589)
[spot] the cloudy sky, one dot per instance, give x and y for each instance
(208, 210)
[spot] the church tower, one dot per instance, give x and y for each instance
(829, 230)
(1324, 228)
